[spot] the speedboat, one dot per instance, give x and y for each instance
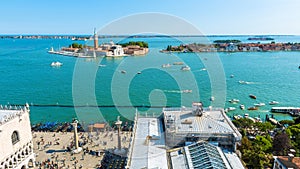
(259, 104)
(56, 64)
(166, 65)
(187, 91)
(273, 102)
(185, 68)
(253, 108)
(242, 106)
(252, 96)
(234, 101)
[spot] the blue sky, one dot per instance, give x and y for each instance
(210, 16)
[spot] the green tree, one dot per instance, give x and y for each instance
(263, 143)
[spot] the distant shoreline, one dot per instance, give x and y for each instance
(69, 36)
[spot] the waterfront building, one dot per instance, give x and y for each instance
(286, 162)
(187, 125)
(16, 148)
(203, 155)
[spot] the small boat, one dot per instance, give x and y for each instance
(166, 65)
(253, 108)
(257, 119)
(252, 96)
(178, 63)
(212, 98)
(234, 101)
(123, 71)
(186, 91)
(242, 106)
(139, 72)
(56, 64)
(231, 76)
(273, 102)
(101, 65)
(185, 68)
(246, 115)
(259, 104)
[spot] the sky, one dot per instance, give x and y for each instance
(211, 17)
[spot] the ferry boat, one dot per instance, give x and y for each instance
(234, 101)
(273, 102)
(252, 96)
(294, 111)
(185, 68)
(56, 64)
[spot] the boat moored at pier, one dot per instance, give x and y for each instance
(294, 111)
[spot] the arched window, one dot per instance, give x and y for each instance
(15, 137)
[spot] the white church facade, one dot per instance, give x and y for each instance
(16, 148)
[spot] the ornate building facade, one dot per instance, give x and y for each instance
(16, 147)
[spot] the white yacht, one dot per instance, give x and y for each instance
(56, 64)
(234, 101)
(273, 102)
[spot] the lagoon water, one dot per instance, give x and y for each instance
(26, 76)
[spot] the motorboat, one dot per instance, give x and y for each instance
(234, 101)
(56, 64)
(212, 98)
(273, 102)
(242, 106)
(123, 71)
(101, 65)
(185, 68)
(139, 72)
(253, 108)
(237, 117)
(231, 76)
(244, 82)
(166, 65)
(231, 108)
(252, 96)
(186, 91)
(259, 104)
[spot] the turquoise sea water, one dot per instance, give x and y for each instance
(26, 76)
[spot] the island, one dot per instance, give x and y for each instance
(233, 46)
(106, 49)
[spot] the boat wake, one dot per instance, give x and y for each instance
(178, 91)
